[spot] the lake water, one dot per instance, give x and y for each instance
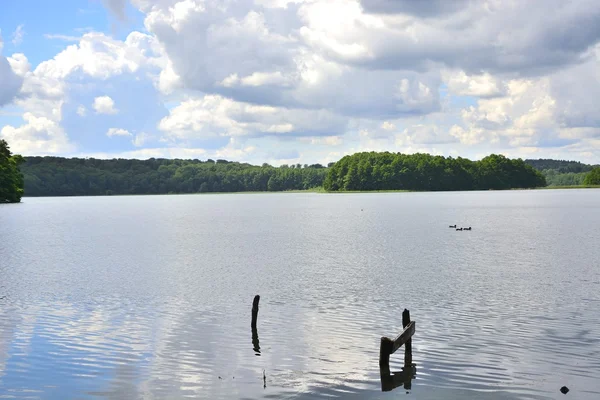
(150, 296)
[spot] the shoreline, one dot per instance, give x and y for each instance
(323, 191)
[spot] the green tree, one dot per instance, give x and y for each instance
(11, 179)
(593, 177)
(389, 171)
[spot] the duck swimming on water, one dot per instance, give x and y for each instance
(452, 226)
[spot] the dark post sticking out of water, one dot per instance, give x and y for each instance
(255, 342)
(388, 347)
(408, 344)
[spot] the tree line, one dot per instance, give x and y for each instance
(561, 172)
(57, 176)
(425, 172)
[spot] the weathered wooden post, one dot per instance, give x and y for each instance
(388, 347)
(408, 344)
(255, 310)
(255, 342)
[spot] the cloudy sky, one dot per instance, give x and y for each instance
(286, 81)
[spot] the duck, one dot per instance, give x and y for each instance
(459, 229)
(452, 226)
(467, 229)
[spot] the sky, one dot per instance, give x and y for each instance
(300, 81)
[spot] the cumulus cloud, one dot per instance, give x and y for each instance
(117, 132)
(421, 134)
(316, 79)
(100, 56)
(428, 8)
(38, 135)
(213, 115)
(525, 38)
(478, 85)
(104, 105)
(10, 80)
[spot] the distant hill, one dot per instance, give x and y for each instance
(560, 166)
(561, 172)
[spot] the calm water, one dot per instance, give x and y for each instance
(150, 297)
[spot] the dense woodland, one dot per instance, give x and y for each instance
(395, 171)
(560, 172)
(11, 179)
(56, 176)
(593, 177)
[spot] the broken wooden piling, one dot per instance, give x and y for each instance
(255, 310)
(255, 341)
(408, 345)
(388, 347)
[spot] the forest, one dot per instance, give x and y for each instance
(425, 172)
(56, 176)
(560, 172)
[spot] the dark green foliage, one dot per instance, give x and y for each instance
(561, 173)
(593, 177)
(395, 171)
(560, 166)
(554, 178)
(11, 179)
(56, 176)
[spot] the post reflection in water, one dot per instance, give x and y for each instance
(390, 381)
(255, 342)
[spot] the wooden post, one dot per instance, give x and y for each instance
(389, 346)
(385, 349)
(255, 341)
(407, 349)
(255, 311)
(408, 344)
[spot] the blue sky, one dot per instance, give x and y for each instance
(286, 81)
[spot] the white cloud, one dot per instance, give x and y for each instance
(66, 38)
(17, 36)
(104, 105)
(38, 135)
(421, 134)
(213, 116)
(99, 56)
(292, 78)
(388, 126)
(10, 79)
(140, 139)
(327, 140)
(118, 132)
(482, 85)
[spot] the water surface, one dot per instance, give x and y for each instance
(150, 296)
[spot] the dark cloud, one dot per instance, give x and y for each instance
(422, 8)
(519, 38)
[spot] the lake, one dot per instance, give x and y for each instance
(150, 296)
